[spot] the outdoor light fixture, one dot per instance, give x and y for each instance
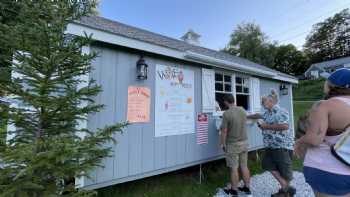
(284, 89)
(141, 69)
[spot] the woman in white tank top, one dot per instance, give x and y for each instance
(327, 122)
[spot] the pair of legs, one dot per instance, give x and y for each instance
(238, 162)
(234, 175)
(279, 163)
(282, 181)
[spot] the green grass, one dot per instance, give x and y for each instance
(182, 183)
(300, 108)
(186, 182)
(310, 90)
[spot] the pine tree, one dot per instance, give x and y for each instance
(49, 148)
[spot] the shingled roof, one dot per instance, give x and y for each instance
(331, 63)
(121, 29)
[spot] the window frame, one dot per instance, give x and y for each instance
(243, 85)
(248, 85)
(223, 82)
(233, 84)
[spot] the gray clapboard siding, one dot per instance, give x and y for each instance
(138, 153)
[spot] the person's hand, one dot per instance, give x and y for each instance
(299, 149)
(263, 126)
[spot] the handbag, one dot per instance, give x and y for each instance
(341, 150)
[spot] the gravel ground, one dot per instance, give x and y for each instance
(263, 185)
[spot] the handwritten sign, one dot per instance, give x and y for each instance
(139, 100)
(174, 109)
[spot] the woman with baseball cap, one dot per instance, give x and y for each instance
(326, 124)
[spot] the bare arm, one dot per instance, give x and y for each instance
(317, 125)
(275, 127)
(255, 116)
(223, 136)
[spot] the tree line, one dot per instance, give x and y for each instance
(329, 39)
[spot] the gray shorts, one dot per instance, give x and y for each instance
(279, 160)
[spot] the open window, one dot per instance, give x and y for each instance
(217, 84)
(243, 92)
(237, 85)
(223, 86)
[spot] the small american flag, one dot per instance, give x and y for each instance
(202, 129)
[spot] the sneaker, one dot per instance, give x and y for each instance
(281, 193)
(289, 192)
(245, 190)
(231, 192)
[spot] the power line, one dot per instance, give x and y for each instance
(312, 19)
(288, 11)
(298, 4)
(295, 36)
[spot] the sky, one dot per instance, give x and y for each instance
(284, 21)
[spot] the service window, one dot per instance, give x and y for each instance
(243, 92)
(223, 85)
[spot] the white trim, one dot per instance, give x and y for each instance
(233, 85)
(200, 57)
(255, 95)
(208, 91)
(292, 108)
(104, 36)
(80, 182)
(286, 79)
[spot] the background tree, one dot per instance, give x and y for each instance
(248, 41)
(8, 16)
(288, 59)
(49, 148)
(329, 39)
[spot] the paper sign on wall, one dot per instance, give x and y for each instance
(139, 100)
(174, 97)
(202, 128)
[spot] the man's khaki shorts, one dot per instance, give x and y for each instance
(236, 155)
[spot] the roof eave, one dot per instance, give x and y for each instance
(79, 29)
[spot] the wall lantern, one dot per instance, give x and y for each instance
(284, 89)
(141, 69)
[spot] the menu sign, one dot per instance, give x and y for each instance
(139, 100)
